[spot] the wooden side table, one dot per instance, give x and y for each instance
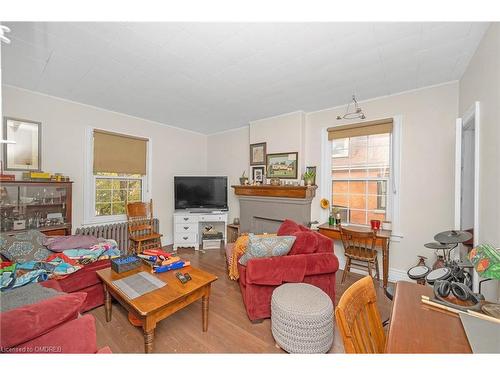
(233, 232)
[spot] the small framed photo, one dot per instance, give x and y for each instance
(258, 174)
(258, 153)
(25, 154)
(282, 165)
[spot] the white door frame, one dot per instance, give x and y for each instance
(470, 118)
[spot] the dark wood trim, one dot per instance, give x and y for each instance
(275, 191)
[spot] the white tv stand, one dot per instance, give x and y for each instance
(188, 226)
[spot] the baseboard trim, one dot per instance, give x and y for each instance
(395, 274)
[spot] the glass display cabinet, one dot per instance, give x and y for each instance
(45, 206)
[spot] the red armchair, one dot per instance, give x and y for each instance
(311, 260)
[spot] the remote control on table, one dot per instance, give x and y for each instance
(181, 278)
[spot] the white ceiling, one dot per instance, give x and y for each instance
(210, 77)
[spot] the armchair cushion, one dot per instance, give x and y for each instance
(28, 322)
(291, 269)
(76, 336)
(287, 228)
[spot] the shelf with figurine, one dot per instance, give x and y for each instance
(45, 206)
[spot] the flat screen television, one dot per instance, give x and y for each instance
(200, 192)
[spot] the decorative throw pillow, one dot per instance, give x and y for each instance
(266, 247)
(23, 247)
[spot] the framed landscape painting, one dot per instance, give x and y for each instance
(283, 165)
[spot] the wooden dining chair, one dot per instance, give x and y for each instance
(358, 319)
(140, 227)
(359, 250)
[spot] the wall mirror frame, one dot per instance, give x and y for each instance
(26, 153)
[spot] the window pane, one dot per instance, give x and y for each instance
(102, 209)
(358, 150)
(340, 200)
(377, 187)
(373, 202)
(344, 218)
(340, 187)
(376, 215)
(112, 195)
(358, 217)
(102, 196)
(358, 173)
(382, 172)
(378, 155)
(119, 195)
(379, 140)
(357, 201)
(357, 187)
(340, 174)
(340, 150)
(118, 208)
(103, 183)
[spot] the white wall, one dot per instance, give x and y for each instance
(284, 133)
(481, 82)
(427, 175)
(228, 155)
(64, 123)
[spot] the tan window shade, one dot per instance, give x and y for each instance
(118, 153)
(360, 129)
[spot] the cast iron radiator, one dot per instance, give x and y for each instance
(115, 231)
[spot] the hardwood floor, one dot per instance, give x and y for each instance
(229, 329)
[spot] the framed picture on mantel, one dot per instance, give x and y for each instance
(258, 153)
(283, 165)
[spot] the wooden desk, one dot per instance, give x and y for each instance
(383, 240)
(419, 328)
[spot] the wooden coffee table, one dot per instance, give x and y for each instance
(154, 306)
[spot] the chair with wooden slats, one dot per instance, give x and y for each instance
(140, 227)
(359, 250)
(358, 319)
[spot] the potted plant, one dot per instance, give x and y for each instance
(243, 179)
(308, 178)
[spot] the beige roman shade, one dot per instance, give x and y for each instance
(119, 153)
(360, 129)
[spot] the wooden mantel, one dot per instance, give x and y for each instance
(281, 191)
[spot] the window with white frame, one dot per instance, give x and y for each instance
(114, 190)
(361, 171)
(118, 175)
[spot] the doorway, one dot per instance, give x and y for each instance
(467, 178)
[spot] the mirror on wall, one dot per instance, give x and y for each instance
(25, 153)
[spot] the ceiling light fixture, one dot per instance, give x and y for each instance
(356, 113)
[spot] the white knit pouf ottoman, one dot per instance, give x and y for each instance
(302, 318)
